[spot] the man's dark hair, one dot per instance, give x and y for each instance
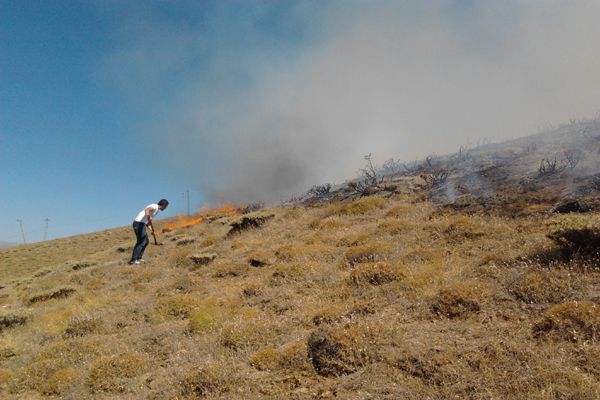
(163, 202)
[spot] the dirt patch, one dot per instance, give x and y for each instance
(57, 294)
(8, 321)
(251, 220)
(202, 259)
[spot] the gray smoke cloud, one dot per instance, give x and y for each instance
(265, 118)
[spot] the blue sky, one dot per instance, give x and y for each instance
(106, 106)
(82, 83)
(70, 145)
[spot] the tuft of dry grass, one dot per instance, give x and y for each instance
(60, 382)
(244, 332)
(328, 223)
(288, 252)
(376, 274)
(294, 357)
(336, 352)
(458, 300)
(366, 253)
(179, 258)
(399, 210)
(357, 207)
(179, 306)
(545, 286)
(210, 378)
(206, 318)
(209, 240)
(112, 374)
(55, 357)
(573, 321)
(82, 325)
(393, 227)
(266, 359)
(6, 376)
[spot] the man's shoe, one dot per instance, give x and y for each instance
(134, 262)
(141, 260)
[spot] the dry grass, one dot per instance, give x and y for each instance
(378, 273)
(356, 207)
(458, 300)
(366, 253)
(178, 306)
(373, 298)
(546, 286)
(574, 321)
(60, 382)
(112, 373)
(210, 378)
(207, 318)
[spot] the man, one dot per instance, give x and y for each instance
(143, 219)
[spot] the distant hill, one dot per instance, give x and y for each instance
(4, 245)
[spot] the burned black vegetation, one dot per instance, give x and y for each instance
(553, 171)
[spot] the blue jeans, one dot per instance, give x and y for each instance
(142, 240)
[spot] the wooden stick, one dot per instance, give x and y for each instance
(153, 234)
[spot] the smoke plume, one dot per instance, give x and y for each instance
(261, 104)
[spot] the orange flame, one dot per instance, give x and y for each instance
(205, 213)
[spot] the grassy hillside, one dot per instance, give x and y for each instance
(394, 295)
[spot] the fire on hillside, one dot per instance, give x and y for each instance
(204, 214)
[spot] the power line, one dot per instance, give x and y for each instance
(46, 229)
(20, 221)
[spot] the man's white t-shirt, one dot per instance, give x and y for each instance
(142, 217)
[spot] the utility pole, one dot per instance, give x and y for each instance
(20, 221)
(188, 201)
(46, 229)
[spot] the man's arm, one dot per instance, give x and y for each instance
(149, 211)
(150, 225)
